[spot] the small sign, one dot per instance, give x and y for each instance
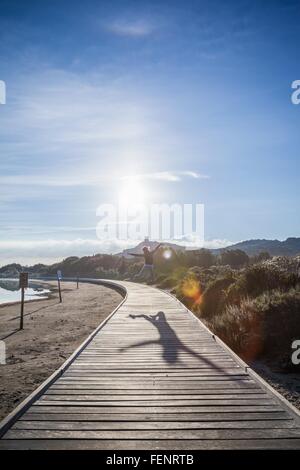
(2, 352)
(59, 277)
(23, 280)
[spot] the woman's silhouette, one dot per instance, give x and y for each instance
(168, 339)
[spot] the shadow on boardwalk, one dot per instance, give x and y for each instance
(169, 341)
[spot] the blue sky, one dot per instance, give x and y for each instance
(194, 97)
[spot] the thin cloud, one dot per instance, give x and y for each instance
(64, 110)
(194, 241)
(137, 28)
(171, 176)
(52, 181)
(217, 243)
(51, 250)
(91, 180)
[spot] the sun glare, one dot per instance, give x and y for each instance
(132, 193)
(167, 254)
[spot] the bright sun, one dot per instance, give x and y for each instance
(132, 193)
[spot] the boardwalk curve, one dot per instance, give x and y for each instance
(152, 376)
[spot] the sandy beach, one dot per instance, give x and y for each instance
(52, 331)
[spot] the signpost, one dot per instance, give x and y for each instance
(23, 284)
(77, 282)
(59, 278)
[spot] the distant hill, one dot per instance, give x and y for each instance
(104, 266)
(151, 245)
(289, 247)
(109, 266)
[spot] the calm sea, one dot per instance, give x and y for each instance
(9, 291)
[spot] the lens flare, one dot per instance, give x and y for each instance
(167, 254)
(191, 288)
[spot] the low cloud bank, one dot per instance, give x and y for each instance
(49, 251)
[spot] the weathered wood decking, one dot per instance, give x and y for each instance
(153, 377)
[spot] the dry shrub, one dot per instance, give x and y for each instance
(265, 326)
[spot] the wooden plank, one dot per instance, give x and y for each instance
(169, 373)
(148, 425)
(161, 417)
(188, 434)
(91, 408)
(123, 394)
(147, 390)
(165, 379)
(172, 444)
(154, 401)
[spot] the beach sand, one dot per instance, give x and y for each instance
(52, 331)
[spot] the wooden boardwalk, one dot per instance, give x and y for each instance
(153, 377)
